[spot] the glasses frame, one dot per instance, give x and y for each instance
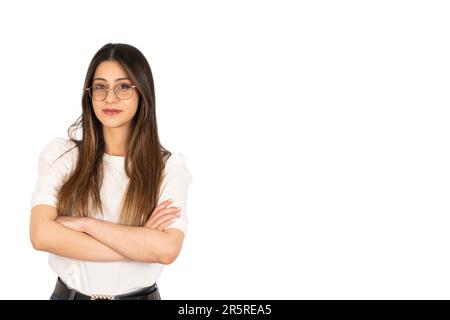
(89, 90)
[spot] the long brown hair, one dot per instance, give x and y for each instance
(145, 158)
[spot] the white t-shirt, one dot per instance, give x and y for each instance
(115, 277)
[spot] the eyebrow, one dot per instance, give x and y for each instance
(114, 80)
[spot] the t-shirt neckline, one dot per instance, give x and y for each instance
(113, 157)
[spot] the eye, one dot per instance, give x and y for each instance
(98, 86)
(125, 86)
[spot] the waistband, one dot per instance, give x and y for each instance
(65, 293)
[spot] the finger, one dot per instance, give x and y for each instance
(163, 204)
(164, 225)
(154, 221)
(158, 214)
(163, 218)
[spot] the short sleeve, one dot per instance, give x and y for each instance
(51, 173)
(175, 186)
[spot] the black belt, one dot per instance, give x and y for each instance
(65, 293)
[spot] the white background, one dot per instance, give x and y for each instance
(316, 133)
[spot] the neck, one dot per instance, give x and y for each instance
(115, 140)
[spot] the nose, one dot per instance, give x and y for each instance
(110, 96)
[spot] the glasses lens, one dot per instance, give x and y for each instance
(98, 92)
(124, 90)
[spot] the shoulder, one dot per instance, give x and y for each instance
(176, 159)
(61, 150)
(58, 144)
(177, 164)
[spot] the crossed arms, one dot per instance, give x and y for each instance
(86, 238)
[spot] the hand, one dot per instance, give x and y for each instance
(162, 216)
(74, 223)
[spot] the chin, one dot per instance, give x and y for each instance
(115, 124)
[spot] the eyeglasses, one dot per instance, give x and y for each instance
(122, 90)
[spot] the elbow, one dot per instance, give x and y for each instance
(40, 227)
(169, 256)
(36, 242)
(173, 248)
(163, 258)
(169, 249)
(167, 259)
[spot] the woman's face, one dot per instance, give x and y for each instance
(108, 75)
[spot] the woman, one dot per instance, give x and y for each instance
(101, 204)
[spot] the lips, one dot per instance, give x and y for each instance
(111, 111)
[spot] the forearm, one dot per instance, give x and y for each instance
(136, 243)
(63, 241)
